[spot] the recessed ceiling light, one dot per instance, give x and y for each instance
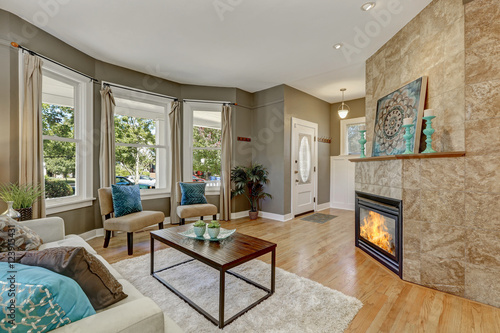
(367, 6)
(337, 46)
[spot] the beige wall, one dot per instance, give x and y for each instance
(268, 143)
(306, 107)
(357, 110)
(12, 28)
(451, 237)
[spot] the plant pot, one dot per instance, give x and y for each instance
(213, 232)
(199, 231)
(253, 215)
(26, 213)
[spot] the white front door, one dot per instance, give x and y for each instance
(304, 162)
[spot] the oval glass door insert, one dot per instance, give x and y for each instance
(304, 159)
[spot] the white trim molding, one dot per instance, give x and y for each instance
(322, 206)
(63, 206)
(92, 234)
(276, 217)
(239, 215)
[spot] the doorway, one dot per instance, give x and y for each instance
(304, 160)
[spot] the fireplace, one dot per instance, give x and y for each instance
(379, 229)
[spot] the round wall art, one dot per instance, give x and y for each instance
(406, 102)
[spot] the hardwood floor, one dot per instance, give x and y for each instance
(326, 253)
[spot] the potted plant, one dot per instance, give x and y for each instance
(250, 183)
(199, 228)
(213, 229)
(22, 196)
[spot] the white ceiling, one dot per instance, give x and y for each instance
(249, 44)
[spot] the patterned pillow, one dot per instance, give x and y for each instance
(126, 199)
(16, 237)
(193, 193)
(96, 281)
(43, 300)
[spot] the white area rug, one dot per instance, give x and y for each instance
(298, 305)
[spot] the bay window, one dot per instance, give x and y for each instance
(202, 144)
(67, 138)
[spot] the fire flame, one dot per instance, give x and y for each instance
(375, 230)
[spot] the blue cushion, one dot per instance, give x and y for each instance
(51, 300)
(126, 199)
(193, 193)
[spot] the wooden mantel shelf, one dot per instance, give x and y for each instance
(409, 156)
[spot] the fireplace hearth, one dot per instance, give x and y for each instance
(379, 229)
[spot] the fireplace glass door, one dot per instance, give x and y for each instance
(379, 230)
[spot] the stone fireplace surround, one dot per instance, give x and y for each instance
(451, 215)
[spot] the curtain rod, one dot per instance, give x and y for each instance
(208, 102)
(14, 44)
(138, 90)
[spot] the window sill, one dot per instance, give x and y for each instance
(212, 192)
(154, 194)
(65, 205)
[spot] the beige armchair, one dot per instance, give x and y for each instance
(195, 210)
(129, 223)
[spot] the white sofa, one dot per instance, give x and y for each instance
(136, 313)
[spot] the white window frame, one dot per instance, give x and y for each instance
(188, 109)
(83, 139)
(163, 137)
(343, 133)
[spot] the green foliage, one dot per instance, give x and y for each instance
(55, 188)
(250, 183)
(204, 137)
(213, 224)
(23, 196)
(132, 160)
(59, 157)
(199, 223)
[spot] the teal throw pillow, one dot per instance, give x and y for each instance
(193, 193)
(126, 199)
(35, 299)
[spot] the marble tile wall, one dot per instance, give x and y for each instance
(451, 205)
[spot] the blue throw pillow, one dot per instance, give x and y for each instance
(35, 299)
(126, 199)
(193, 193)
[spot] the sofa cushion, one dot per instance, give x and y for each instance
(130, 290)
(17, 237)
(43, 295)
(193, 193)
(70, 240)
(101, 288)
(196, 210)
(135, 221)
(126, 199)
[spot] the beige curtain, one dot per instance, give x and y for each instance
(31, 132)
(175, 148)
(107, 151)
(225, 189)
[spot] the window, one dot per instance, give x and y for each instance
(202, 130)
(349, 136)
(141, 141)
(67, 138)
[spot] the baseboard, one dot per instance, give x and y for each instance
(323, 206)
(239, 215)
(340, 205)
(276, 217)
(92, 234)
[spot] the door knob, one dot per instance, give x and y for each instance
(296, 171)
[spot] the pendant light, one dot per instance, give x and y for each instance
(343, 108)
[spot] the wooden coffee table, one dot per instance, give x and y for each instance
(233, 251)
